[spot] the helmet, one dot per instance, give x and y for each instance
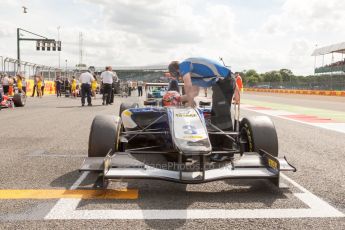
(171, 98)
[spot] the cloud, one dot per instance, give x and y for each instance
(265, 36)
(6, 29)
(308, 16)
(288, 36)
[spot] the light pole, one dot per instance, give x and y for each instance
(40, 39)
(58, 29)
(66, 68)
(315, 60)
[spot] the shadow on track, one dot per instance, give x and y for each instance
(68, 179)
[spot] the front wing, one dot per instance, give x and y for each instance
(252, 165)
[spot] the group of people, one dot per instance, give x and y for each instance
(89, 85)
(338, 63)
(72, 87)
(9, 83)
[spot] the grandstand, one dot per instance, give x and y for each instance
(336, 66)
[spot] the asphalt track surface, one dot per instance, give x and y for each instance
(43, 144)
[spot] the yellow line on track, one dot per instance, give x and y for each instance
(7, 194)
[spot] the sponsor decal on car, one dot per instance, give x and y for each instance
(188, 126)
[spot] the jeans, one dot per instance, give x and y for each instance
(58, 91)
(85, 92)
(140, 91)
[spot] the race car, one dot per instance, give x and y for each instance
(177, 143)
(155, 93)
(17, 100)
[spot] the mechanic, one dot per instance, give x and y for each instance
(85, 79)
(202, 72)
(113, 86)
(107, 82)
(129, 86)
(140, 88)
(58, 84)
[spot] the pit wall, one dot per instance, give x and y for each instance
(297, 91)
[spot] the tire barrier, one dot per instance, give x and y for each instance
(298, 91)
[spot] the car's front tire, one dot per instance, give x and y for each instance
(104, 135)
(19, 99)
(258, 132)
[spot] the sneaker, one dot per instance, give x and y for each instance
(82, 104)
(89, 104)
(102, 103)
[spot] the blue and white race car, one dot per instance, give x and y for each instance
(176, 143)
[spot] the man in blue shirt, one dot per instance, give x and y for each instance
(202, 72)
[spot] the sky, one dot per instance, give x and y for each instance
(254, 34)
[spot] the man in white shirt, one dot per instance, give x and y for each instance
(5, 84)
(107, 81)
(85, 79)
(140, 88)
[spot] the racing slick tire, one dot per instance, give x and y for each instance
(125, 106)
(104, 135)
(258, 132)
(19, 99)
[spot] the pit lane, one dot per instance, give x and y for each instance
(42, 146)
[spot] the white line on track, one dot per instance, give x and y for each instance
(67, 209)
(64, 202)
(78, 182)
(338, 127)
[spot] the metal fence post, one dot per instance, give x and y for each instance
(2, 64)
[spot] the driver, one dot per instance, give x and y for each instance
(171, 98)
(202, 72)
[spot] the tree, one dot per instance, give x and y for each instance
(272, 76)
(286, 74)
(251, 77)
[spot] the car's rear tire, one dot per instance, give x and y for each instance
(104, 135)
(19, 99)
(258, 132)
(125, 106)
